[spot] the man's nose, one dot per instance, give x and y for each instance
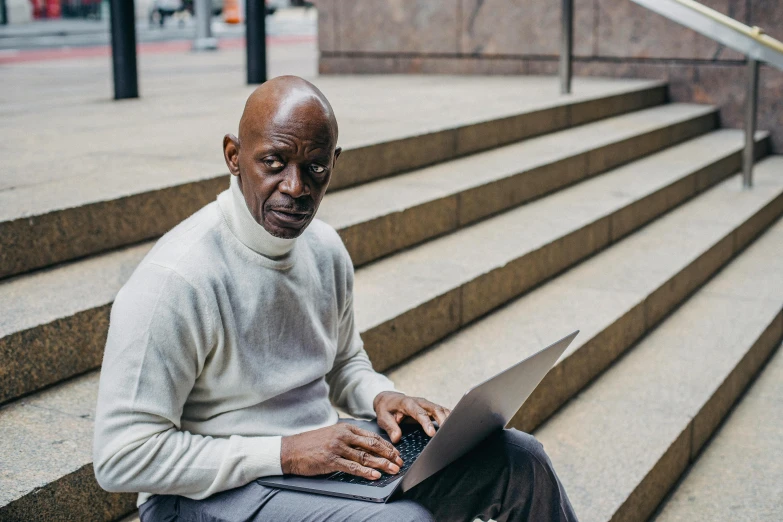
(293, 183)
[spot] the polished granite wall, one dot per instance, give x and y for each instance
(611, 38)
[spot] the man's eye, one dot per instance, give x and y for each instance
(273, 163)
(318, 169)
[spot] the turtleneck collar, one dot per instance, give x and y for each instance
(246, 229)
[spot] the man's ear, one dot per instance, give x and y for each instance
(337, 152)
(231, 153)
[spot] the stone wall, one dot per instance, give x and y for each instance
(611, 38)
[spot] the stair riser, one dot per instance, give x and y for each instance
(394, 341)
(625, 151)
(748, 444)
(39, 241)
(579, 368)
(371, 240)
(47, 354)
(711, 416)
(641, 504)
(76, 496)
(657, 204)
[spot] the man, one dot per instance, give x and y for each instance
(234, 337)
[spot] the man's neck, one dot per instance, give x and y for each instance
(245, 227)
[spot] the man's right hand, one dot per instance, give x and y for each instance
(342, 447)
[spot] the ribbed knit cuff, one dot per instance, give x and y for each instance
(262, 456)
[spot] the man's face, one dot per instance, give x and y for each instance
(284, 165)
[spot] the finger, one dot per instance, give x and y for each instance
(354, 468)
(390, 425)
(440, 415)
(370, 461)
(374, 444)
(421, 416)
(436, 411)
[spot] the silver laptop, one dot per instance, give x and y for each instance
(486, 407)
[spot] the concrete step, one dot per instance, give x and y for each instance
(665, 262)
(614, 298)
(739, 474)
(56, 322)
(137, 190)
(376, 219)
(411, 300)
(625, 441)
(46, 451)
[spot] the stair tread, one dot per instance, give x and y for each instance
(71, 404)
(366, 202)
(739, 471)
(380, 111)
(653, 407)
(50, 294)
(46, 436)
(434, 268)
(594, 294)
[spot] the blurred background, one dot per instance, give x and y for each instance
(79, 23)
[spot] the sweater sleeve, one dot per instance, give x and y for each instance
(353, 383)
(160, 334)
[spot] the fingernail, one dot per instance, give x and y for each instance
(376, 474)
(394, 469)
(399, 461)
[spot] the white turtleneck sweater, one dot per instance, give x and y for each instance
(224, 339)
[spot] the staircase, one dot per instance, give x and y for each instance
(476, 244)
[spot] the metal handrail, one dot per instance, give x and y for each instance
(754, 32)
(751, 41)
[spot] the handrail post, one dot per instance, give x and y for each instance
(566, 45)
(751, 110)
(255, 29)
(123, 49)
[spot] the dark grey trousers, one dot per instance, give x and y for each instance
(506, 477)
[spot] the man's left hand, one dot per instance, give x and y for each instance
(392, 407)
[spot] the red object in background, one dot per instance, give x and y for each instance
(53, 9)
(46, 9)
(231, 12)
(38, 8)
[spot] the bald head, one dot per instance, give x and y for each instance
(282, 99)
(285, 153)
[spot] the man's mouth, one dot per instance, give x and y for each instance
(290, 217)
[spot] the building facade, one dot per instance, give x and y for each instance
(611, 38)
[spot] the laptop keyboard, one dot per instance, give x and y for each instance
(410, 446)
